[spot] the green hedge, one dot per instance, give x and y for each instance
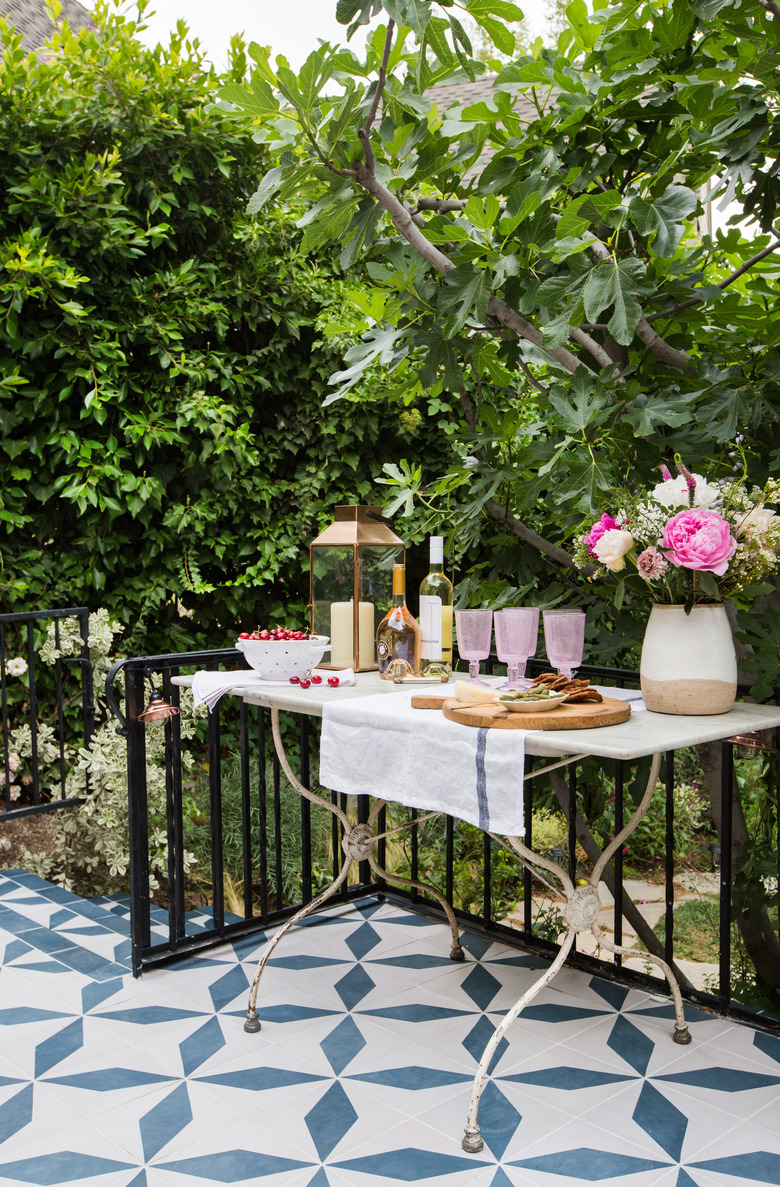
(165, 451)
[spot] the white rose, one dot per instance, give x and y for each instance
(674, 492)
(612, 547)
(758, 522)
(16, 667)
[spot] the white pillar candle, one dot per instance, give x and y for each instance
(342, 634)
(367, 636)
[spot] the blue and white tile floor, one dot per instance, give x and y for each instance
(361, 1073)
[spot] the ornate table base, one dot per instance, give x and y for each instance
(580, 912)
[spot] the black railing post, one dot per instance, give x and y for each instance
(246, 808)
(669, 860)
(215, 819)
(305, 768)
(138, 819)
(726, 809)
(174, 818)
(617, 861)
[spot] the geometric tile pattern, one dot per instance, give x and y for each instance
(360, 1075)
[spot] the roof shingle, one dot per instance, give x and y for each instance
(33, 20)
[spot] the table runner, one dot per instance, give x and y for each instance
(379, 745)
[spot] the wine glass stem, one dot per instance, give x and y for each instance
(473, 669)
(512, 671)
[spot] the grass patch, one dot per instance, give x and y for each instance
(696, 929)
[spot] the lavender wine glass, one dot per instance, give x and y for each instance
(517, 635)
(564, 636)
(475, 632)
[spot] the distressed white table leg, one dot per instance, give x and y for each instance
(581, 914)
(456, 951)
(358, 845)
(252, 1023)
(472, 1141)
(681, 1033)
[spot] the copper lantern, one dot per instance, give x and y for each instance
(351, 566)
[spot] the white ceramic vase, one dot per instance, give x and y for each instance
(688, 664)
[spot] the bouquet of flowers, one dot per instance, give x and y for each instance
(687, 540)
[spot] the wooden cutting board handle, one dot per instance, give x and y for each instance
(565, 717)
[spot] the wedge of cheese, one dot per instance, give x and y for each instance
(474, 694)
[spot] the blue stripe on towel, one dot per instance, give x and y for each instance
(482, 804)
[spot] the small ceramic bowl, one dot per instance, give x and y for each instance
(279, 659)
(540, 706)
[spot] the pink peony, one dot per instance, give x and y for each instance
(605, 524)
(651, 564)
(699, 539)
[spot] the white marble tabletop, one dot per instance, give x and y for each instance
(644, 733)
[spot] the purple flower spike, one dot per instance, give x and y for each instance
(666, 474)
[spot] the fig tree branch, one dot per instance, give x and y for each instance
(773, 246)
(644, 331)
(519, 529)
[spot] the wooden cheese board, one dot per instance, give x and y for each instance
(566, 717)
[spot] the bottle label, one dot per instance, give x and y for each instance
(430, 624)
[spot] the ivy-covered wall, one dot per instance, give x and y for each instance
(165, 453)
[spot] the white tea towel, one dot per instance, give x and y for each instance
(381, 746)
(208, 687)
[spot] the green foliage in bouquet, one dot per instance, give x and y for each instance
(688, 541)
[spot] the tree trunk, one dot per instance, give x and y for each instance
(755, 927)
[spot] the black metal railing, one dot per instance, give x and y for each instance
(46, 713)
(276, 833)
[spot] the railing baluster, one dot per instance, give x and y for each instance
(669, 861)
(528, 889)
(60, 710)
(617, 860)
(175, 821)
(305, 768)
(246, 807)
(449, 859)
(33, 703)
(724, 962)
(215, 801)
(138, 819)
(277, 802)
(262, 813)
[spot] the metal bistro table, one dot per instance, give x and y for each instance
(644, 734)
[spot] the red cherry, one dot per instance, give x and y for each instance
(333, 681)
(245, 635)
(264, 635)
(305, 683)
(296, 634)
(316, 679)
(295, 680)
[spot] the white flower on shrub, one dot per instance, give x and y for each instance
(16, 667)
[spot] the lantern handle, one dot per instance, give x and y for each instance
(381, 518)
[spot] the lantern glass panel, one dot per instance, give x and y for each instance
(346, 576)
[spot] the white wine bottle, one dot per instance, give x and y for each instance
(398, 636)
(436, 615)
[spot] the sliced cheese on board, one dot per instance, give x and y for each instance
(474, 694)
